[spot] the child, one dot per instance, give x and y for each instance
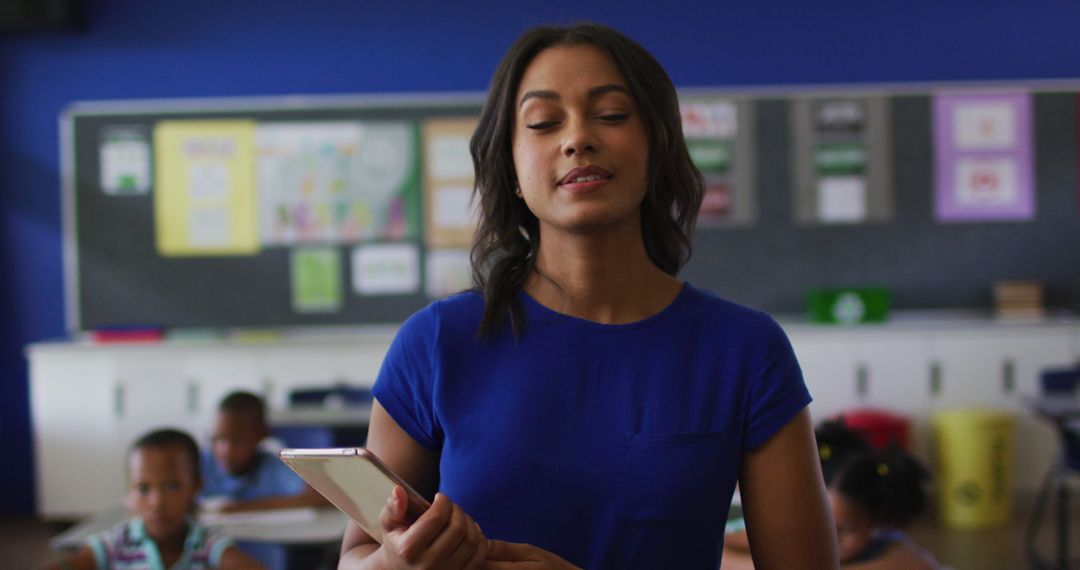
(163, 479)
(872, 495)
(248, 478)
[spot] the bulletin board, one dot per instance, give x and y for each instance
(192, 214)
(265, 212)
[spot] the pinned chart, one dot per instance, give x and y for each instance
(842, 171)
(983, 157)
(386, 269)
(204, 197)
(720, 139)
(451, 211)
(125, 160)
(340, 182)
(447, 271)
(316, 279)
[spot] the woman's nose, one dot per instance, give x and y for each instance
(579, 138)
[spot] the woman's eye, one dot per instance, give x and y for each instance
(142, 488)
(172, 487)
(614, 117)
(541, 125)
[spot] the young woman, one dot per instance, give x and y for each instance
(583, 406)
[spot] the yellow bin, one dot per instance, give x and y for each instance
(975, 467)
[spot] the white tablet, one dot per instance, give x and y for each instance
(355, 481)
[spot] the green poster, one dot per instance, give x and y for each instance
(711, 156)
(316, 280)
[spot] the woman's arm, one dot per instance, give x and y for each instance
(788, 518)
(444, 536)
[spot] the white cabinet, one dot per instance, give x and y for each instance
(919, 368)
(90, 402)
(73, 414)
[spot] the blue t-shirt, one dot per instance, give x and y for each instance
(613, 446)
(270, 477)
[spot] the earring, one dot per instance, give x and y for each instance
(517, 191)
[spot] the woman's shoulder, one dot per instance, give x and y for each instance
(709, 307)
(453, 315)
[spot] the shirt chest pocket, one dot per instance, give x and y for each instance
(674, 478)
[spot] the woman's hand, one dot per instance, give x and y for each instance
(443, 537)
(512, 556)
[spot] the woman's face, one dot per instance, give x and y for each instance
(580, 148)
(854, 529)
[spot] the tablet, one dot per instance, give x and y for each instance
(355, 481)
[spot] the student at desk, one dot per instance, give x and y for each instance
(241, 474)
(163, 478)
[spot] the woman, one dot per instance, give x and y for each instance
(583, 405)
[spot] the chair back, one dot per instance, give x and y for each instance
(1064, 383)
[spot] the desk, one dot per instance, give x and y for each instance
(318, 426)
(1064, 413)
(326, 525)
(309, 527)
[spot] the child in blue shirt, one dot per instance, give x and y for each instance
(237, 470)
(163, 479)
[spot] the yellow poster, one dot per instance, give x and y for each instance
(204, 195)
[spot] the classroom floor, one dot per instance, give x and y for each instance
(24, 543)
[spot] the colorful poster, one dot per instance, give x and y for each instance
(316, 279)
(386, 269)
(983, 157)
(125, 160)
(451, 212)
(337, 182)
(204, 198)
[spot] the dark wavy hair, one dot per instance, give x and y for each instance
(508, 235)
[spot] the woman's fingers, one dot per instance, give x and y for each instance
(416, 540)
(453, 544)
(480, 554)
(392, 515)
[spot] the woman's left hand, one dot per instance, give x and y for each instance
(513, 556)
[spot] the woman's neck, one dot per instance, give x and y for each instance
(601, 278)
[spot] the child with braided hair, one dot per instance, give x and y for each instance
(874, 495)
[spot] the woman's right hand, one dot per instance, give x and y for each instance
(443, 537)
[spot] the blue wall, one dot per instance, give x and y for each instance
(202, 48)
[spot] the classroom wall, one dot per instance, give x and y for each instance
(206, 48)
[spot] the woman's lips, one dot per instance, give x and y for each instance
(584, 179)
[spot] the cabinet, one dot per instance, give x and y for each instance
(88, 402)
(919, 367)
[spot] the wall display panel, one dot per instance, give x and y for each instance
(279, 212)
(255, 213)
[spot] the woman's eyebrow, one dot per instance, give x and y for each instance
(593, 93)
